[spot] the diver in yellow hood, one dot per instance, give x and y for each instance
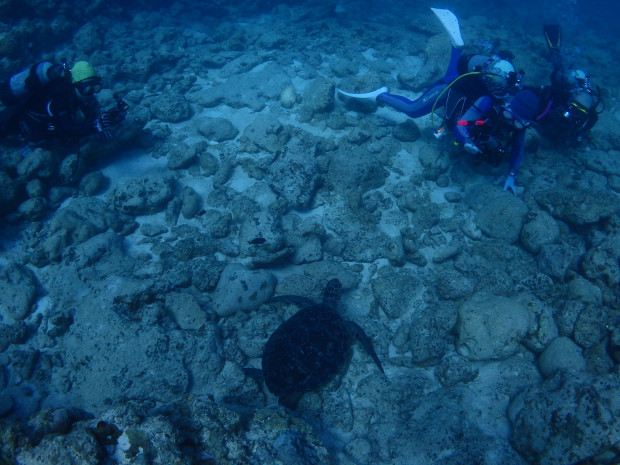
(50, 100)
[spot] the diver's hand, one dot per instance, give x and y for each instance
(102, 129)
(510, 183)
(112, 117)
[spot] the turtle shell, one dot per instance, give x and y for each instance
(306, 351)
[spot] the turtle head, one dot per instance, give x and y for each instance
(332, 291)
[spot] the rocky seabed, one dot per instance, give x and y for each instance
(136, 273)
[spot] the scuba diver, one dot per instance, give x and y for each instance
(48, 100)
(572, 103)
(485, 103)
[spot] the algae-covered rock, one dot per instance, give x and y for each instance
(191, 203)
(543, 327)
(453, 285)
(143, 195)
(395, 291)
(171, 107)
(542, 229)
(600, 264)
(180, 156)
(33, 209)
(37, 164)
(434, 160)
(241, 289)
(294, 175)
(318, 96)
(579, 206)
(92, 183)
(270, 435)
(79, 446)
(185, 310)
(430, 331)
(240, 90)
(356, 170)
(556, 259)
(570, 418)
(454, 369)
(491, 327)
(83, 218)
(561, 354)
(80, 220)
(305, 236)
(407, 131)
(606, 163)
(133, 359)
(18, 290)
(591, 325)
(9, 193)
(502, 218)
(261, 234)
(216, 129)
(267, 133)
(288, 97)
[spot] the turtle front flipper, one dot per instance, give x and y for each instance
(358, 333)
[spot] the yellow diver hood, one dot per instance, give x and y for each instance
(82, 70)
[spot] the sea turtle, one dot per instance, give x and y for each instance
(309, 348)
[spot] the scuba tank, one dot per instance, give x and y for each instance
(573, 118)
(21, 86)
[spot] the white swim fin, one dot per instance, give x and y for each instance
(368, 95)
(450, 23)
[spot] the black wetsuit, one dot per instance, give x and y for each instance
(571, 106)
(55, 110)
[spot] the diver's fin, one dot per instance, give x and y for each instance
(553, 35)
(450, 23)
(368, 95)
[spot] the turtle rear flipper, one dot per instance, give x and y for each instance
(358, 333)
(290, 401)
(255, 374)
